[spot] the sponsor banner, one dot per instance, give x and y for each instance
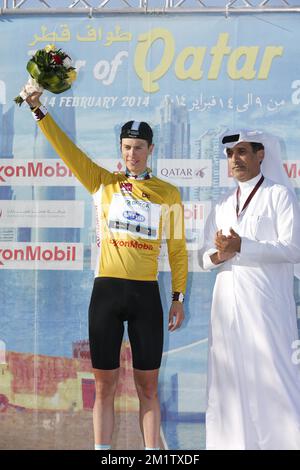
(42, 214)
(193, 261)
(95, 251)
(194, 79)
(48, 172)
(41, 256)
(45, 172)
(111, 164)
(292, 168)
(185, 172)
(195, 214)
(226, 179)
(163, 260)
(53, 172)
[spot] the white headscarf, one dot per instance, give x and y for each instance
(271, 166)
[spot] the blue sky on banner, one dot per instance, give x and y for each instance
(274, 30)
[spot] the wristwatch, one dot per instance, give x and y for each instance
(178, 297)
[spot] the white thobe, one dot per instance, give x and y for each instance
(253, 381)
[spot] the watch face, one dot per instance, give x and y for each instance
(181, 297)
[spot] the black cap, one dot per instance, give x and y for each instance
(228, 139)
(137, 130)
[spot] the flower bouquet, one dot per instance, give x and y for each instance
(50, 69)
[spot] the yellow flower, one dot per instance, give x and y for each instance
(50, 47)
(72, 75)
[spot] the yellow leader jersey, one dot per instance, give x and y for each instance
(131, 216)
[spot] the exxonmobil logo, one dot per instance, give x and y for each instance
(41, 255)
(292, 168)
(131, 244)
(44, 172)
(195, 214)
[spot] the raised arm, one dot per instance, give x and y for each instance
(86, 171)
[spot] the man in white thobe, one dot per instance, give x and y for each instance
(253, 237)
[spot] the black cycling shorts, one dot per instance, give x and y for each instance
(114, 301)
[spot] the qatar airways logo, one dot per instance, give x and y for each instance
(185, 172)
(48, 172)
(53, 256)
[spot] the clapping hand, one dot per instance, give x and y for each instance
(229, 245)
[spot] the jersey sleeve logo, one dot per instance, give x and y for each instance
(126, 187)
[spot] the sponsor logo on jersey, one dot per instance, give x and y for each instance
(138, 203)
(131, 244)
(135, 216)
(130, 215)
(126, 187)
